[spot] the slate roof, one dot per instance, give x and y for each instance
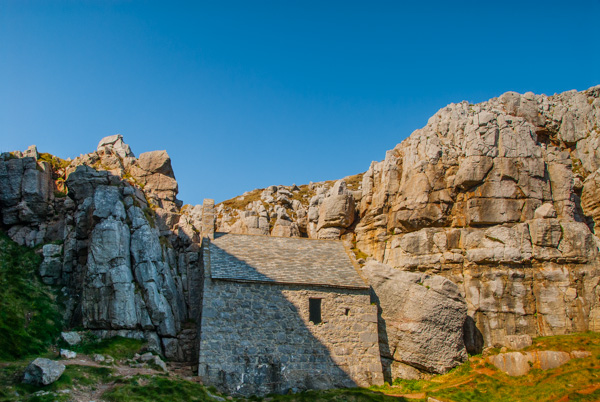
(283, 260)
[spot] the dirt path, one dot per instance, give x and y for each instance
(94, 393)
(121, 370)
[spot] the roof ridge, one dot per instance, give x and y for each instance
(277, 237)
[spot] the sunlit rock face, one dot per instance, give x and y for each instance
(501, 197)
(115, 238)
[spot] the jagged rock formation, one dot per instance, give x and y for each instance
(489, 196)
(128, 266)
(500, 197)
(324, 210)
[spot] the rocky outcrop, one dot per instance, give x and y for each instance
(500, 197)
(421, 319)
(127, 265)
(491, 196)
(27, 198)
(325, 210)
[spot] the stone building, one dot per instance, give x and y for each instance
(284, 314)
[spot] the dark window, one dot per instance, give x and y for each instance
(314, 310)
(346, 311)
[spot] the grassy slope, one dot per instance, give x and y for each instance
(477, 380)
(29, 317)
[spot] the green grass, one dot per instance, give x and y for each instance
(117, 347)
(567, 343)
(478, 381)
(354, 182)
(150, 216)
(359, 254)
(54, 161)
(341, 395)
(11, 388)
(158, 389)
(30, 319)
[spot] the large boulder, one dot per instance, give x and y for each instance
(43, 371)
(420, 320)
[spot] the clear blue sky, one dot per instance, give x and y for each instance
(247, 94)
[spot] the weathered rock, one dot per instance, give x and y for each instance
(424, 330)
(126, 267)
(43, 371)
(518, 342)
(156, 162)
(580, 354)
(337, 210)
(499, 197)
(67, 354)
(513, 363)
(83, 181)
(519, 363)
(473, 171)
(545, 211)
(51, 266)
(115, 143)
(72, 338)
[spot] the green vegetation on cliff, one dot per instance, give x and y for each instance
(29, 317)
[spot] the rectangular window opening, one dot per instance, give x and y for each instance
(314, 310)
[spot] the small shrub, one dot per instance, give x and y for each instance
(150, 216)
(359, 254)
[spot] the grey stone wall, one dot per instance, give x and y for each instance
(256, 338)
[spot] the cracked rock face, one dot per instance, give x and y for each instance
(115, 242)
(501, 197)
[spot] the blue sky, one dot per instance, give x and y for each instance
(248, 94)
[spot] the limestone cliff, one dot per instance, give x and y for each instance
(113, 242)
(501, 197)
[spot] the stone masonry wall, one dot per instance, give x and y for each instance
(256, 338)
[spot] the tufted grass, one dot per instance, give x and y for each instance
(30, 319)
(238, 203)
(341, 395)
(11, 388)
(117, 347)
(158, 389)
(54, 161)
